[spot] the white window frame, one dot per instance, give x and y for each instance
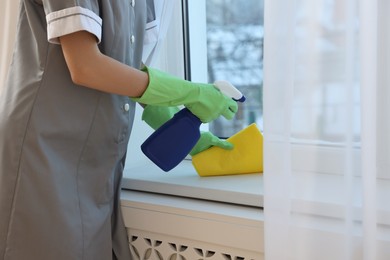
(140, 174)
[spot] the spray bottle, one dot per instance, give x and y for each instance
(172, 142)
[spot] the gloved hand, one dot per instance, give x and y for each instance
(204, 100)
(156, 116)
(207, 140)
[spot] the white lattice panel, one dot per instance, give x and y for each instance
(146, 245)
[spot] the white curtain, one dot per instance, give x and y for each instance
(327, 129)
(8, 20)
(156, 30)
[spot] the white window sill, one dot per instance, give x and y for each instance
(183, 181)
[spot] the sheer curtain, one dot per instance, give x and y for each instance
(326, 128)
(157, 28)
(8, 19)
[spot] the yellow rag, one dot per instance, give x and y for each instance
(245, 157)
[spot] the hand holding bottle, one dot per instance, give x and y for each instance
(204, 100)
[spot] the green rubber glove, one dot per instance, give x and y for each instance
(207, 140)
(203, 100)
(156, 116)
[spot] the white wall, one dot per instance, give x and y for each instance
(191, 229)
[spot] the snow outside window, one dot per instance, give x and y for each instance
(235, 53)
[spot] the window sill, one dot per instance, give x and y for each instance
(183, 181)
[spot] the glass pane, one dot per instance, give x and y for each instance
(235, 53)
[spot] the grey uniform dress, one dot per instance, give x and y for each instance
(62, 146)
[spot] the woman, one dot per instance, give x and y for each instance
(65, 120)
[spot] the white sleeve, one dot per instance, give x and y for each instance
(70, 20)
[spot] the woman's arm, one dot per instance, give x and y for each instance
(90, 68)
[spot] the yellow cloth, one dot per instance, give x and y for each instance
(246, 157)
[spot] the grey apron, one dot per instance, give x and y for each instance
(63, 146)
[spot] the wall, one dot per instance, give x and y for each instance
(167, 227)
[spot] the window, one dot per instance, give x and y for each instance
(235, 53)
(233, 40)
(184, 53)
